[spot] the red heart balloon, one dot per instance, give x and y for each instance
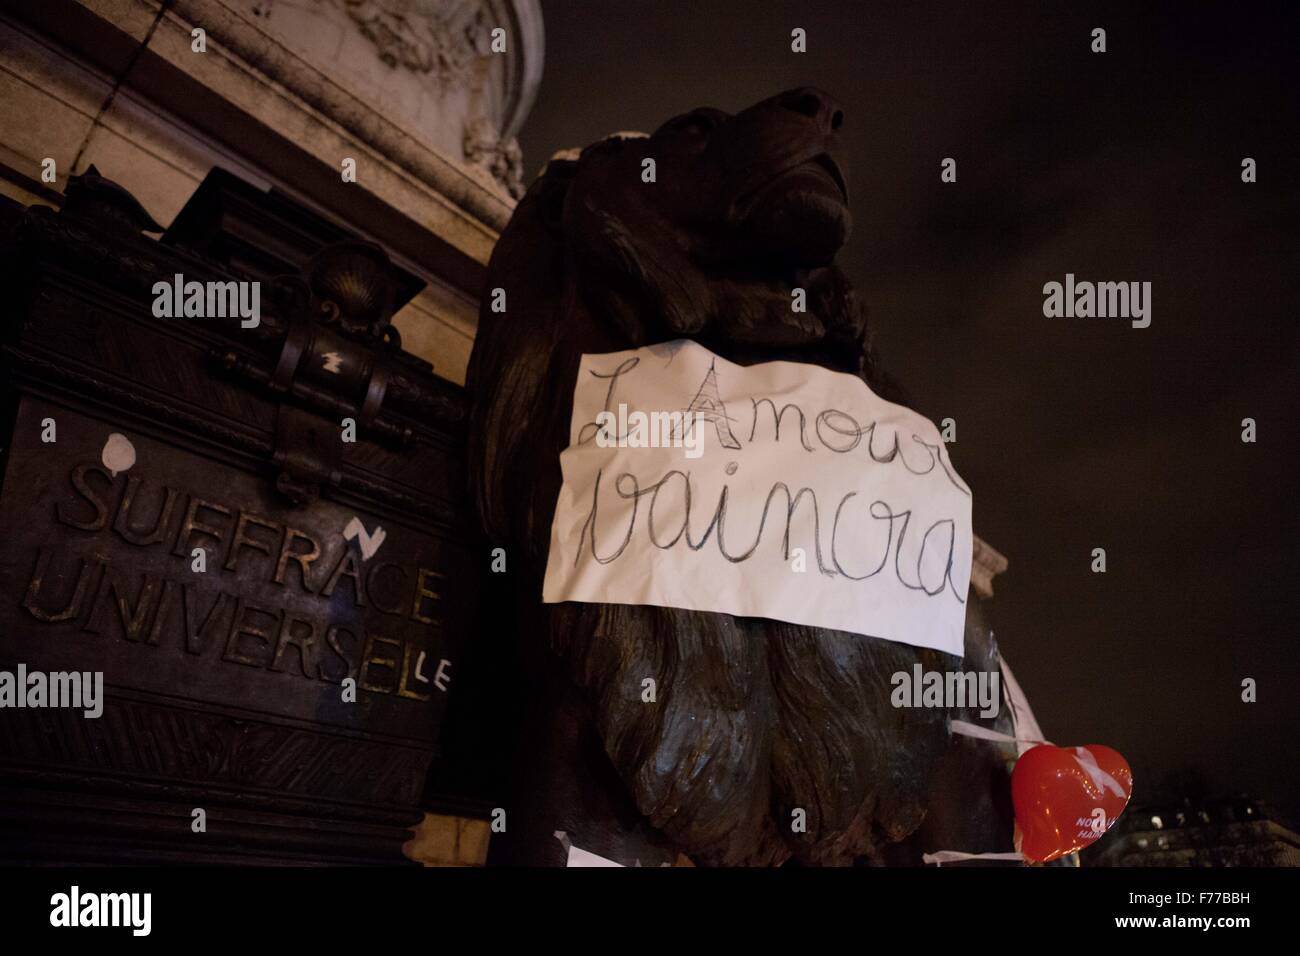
(1067, 797)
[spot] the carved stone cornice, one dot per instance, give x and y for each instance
(502, 158)
(445, 47)
(442, 39)
(258, 94)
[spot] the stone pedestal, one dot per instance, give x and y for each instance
(283, 93)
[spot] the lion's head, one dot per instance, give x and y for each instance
(754, 718)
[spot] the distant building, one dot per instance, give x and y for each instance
(1237, 832)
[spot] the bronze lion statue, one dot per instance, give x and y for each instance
(754, 718)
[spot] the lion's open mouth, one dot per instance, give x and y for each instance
(832, 169)
(815, 174)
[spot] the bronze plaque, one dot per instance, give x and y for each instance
(98, 573)
(253, 535)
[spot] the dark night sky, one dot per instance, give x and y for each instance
(1074, 433)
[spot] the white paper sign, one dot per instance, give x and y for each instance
(780, 490)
